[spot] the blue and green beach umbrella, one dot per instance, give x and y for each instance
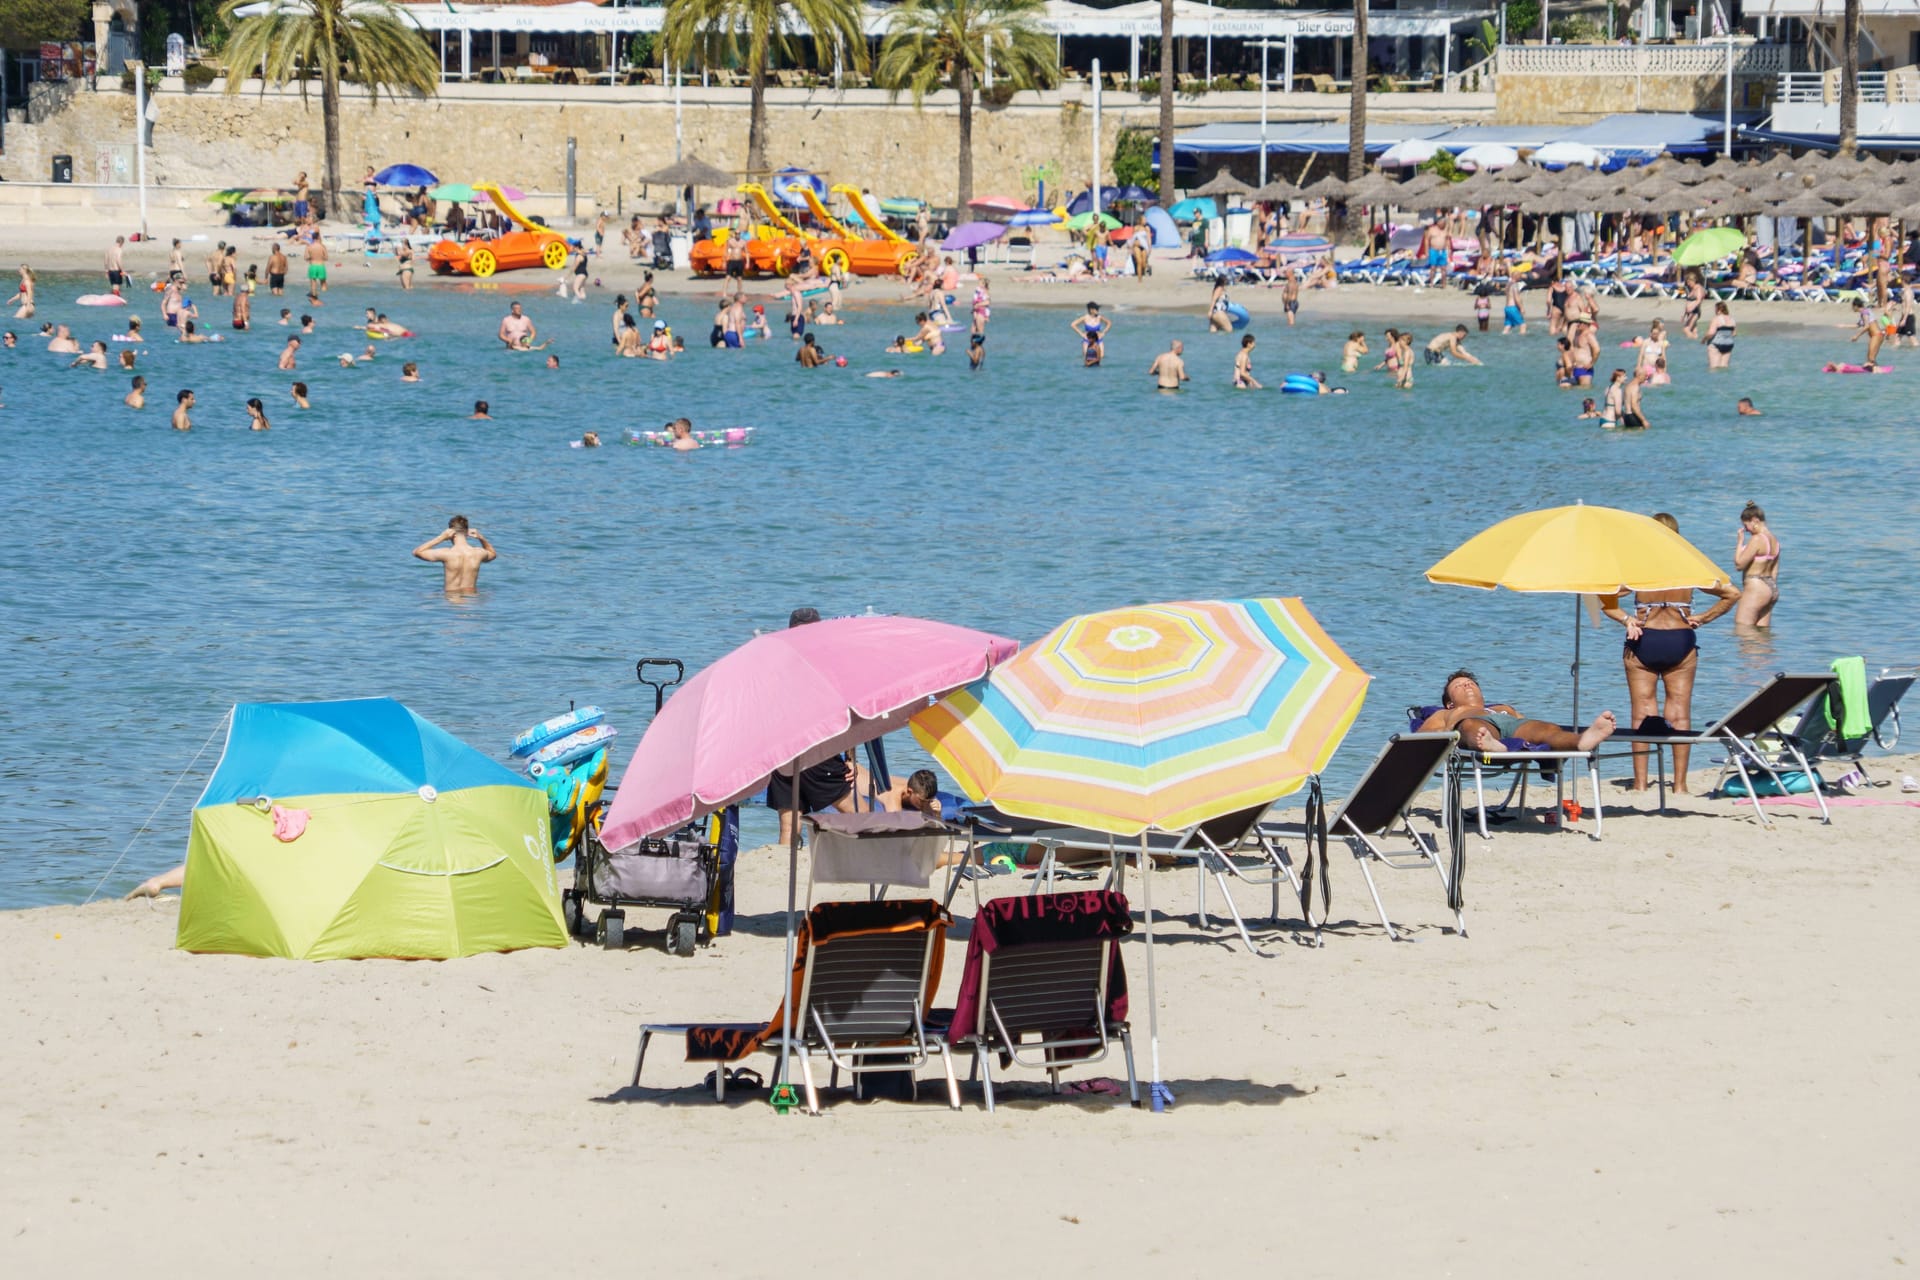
(336, 830)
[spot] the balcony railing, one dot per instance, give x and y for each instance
(1899, 85)
(1645, 59)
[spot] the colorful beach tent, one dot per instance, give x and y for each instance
(338, 830)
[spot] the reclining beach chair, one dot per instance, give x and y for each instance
(1044, 987)
(1379, 809)
(1230, 845)
(1517, 762)
(863, 976)
(1821, 733)
(1752, 736)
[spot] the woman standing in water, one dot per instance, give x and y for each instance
(1719, 338)
(1662, 653)
(25, 295)
(1756, 555)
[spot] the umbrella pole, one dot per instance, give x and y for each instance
(1576, 661)
(1158, 1094)
(782, 1095)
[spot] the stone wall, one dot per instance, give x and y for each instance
(518, 135)
(1578, 100)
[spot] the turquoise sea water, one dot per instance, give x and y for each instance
(151, 579)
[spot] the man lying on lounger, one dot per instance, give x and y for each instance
(1482, 725)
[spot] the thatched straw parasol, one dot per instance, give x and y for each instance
(1274, 192)
(1738, 205)
(1839, 188)
(1712, 191)
(1420, 187)
(1373, 188)
(690, 172)
(1223, 184)
(1328, 188)
(1517, 172)
(1688, 174)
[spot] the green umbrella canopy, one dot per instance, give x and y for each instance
(458, 192)
(1711, 245)
(1079, 221)
(229, 197)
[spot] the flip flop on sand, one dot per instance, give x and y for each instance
(1103, 1086)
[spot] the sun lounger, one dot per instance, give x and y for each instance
(1819, 734)
(1518, 761)
(864, 973)
(1228, 846)
(1379, 810)
(1044, 986)
(1751, 734)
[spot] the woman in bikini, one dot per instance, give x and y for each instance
(1661, 656)
(1719, 338)
(1652, 347)
(1696, 297)
(1757, 556)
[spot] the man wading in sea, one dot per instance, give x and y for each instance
(461, 559)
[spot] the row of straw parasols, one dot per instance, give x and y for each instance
(1782, 187)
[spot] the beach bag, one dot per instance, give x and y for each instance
(1793, 782)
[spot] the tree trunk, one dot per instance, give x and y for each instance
(1166, 104)
(1849, 78)
(330, 125)
(1357, 103)
(966, 142)
(757, 108)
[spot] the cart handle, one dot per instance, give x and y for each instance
(659, 687)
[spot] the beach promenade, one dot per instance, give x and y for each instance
(1684, 1049)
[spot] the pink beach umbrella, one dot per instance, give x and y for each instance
(781, 702)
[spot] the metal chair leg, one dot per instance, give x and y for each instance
(806, 1074)
(985, 1069)
(646, 1034)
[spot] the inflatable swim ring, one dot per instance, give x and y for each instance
(1855, 368)
(101, 300)
(575, 746)
(1300, 384)
(913, 348)
(1237, 313)
(723, 436)
(559, 727)
(378, 336)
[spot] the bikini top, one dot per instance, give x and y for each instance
(1771, 555)
(1644, 609)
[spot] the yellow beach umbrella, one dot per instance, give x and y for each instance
(1594, 550)
(1583, 550)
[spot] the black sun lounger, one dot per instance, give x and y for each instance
(863, 975)
(1379, 809)
(1751, 734)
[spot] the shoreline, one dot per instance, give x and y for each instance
(1170, 289)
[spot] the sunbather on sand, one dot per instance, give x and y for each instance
(1481, 725)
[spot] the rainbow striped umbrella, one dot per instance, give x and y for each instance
(1161, 716)
(1158, 715)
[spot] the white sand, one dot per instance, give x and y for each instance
(1687, 1049)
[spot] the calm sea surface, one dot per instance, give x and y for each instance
(152, 579)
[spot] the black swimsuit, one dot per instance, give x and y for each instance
(1663, 650)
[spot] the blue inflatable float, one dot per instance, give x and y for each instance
(1300, 384)
(1238, 314)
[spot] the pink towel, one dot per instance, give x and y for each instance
(1837, 802)
(289, 824)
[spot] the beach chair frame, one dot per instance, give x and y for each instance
(1518, 765)
(860, 1006)
(1379, 809)
(1820, 740)
(1027, 991)
(1753, 739)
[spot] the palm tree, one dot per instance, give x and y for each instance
(1849, 78)
(295, 38)
(934, 43)
(1166, 103)
(1357, 104)
(766, 27)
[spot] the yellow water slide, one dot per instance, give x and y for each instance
(506, 208)
(806, 192)
(758, 194)
(867, 214)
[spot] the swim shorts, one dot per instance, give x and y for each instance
(116, 278)
(1436, 257)
(276, 280)
(737, 268)
(1434, 357)
(732, 340)
(317, 271)
(821, 787)
(1514, 318)
(1632, 422)
(300, 208)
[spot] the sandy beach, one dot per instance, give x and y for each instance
(1172, 287)
(1686, 1048)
